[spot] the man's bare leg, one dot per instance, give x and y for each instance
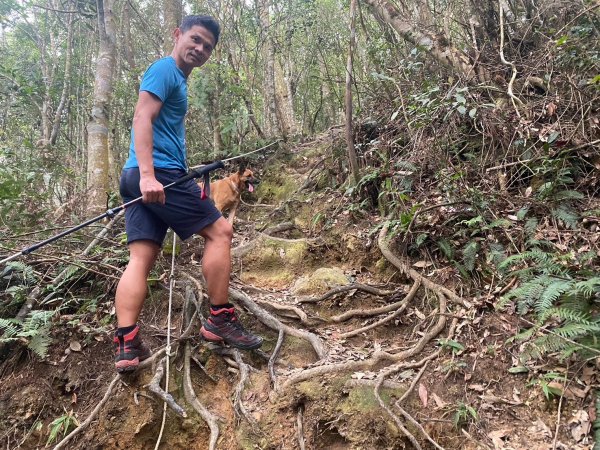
(132, 287)
(223, 324)
(216, 262)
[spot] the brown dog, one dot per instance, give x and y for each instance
(227, 192)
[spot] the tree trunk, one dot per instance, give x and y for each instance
(98, 126)
(437, 45)
(285, 99)
(349, 126)
(66, 83)
(172, 14)
(271, 125)
(215, 102)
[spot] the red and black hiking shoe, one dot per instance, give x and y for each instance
(224, 326)
(129, 350)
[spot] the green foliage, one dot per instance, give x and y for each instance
(545, 383)
(464, 414)
(563, 300)
(61, 425)
(34, 331)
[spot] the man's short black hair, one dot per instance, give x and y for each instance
(207, 22)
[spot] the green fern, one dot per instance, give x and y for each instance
(566, 321)
(446, 248)
(566, 214)
(9, 328)
(470, 254)
(34, 330)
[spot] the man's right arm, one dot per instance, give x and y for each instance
(146, 111)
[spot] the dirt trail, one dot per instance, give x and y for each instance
(461, 394)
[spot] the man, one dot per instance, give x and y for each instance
(157, 156)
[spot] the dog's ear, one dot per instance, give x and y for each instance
(242, 167)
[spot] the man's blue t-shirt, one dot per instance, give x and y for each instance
(165, 80)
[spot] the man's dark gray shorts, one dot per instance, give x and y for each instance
(184, 211)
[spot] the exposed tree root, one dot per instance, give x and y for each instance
(395, 368)
(382, 310)
(275, 324)
(239, 389)
(192, 399)
(273, 358)
(286, 308)
(378, 356)
(375, 324)
(350, 287)
(154, 387)
(408, 271)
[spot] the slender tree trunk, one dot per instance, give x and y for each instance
(270, 106)
(66, 83)
(173, 14)
(127, 43)
(215, 104)
(285, 100)
(98, 126)
(349, 126)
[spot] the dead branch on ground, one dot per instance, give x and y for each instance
(349, 287)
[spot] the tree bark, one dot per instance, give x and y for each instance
(173, 14)
(271, 125)
(66, 83)
(349, 125)
(98, 126)
(437, 45)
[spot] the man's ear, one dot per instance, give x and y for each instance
(176, 34)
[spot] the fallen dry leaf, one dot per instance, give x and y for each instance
(496, 437)
(422, 264)
(423, 394)
(580, 425)
(438, 401)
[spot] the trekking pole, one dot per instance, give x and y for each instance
(193, 173)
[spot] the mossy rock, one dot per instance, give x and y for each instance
(320, 281)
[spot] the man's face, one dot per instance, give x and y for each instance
(193, 48)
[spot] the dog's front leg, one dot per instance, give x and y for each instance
(232, 213)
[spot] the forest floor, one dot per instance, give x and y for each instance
(465, 386)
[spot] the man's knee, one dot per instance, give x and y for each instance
(221, 230)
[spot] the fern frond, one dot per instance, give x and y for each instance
(470, 254)
(531, 226)
(566, 214)
(496, 254)
(551, 294)
(446, 248)
(40, 342)
(568, 195)
(9, 327)
(37, 319)
(588, 287)
(563, 313)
